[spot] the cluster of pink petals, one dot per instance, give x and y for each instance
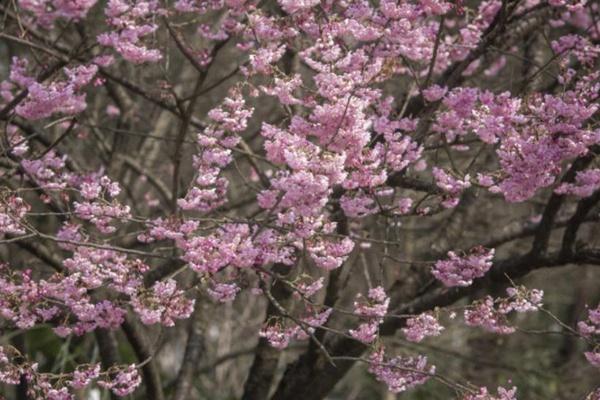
(224, 292)
(12, 210)
(329, 254)
(374, 306)
(94, 268)
(545, 132)
(209, 189)
(590, 329)
(483, 314)
(451, 186)
(284, 89)
(578, 46)
(164, 303)
(308, 289)
(591, 326)
(17, 143)
(46, 171)
(26, 303)
(46, 12)
(373, 309)
(96, 206)
(280, 336)
(14, 367)
(130, 23)
(357, 206)
(125, 382)
(310, 322)
(490, 314)
(68, 298)
(586, 183)
(16, 298)
(461, 271)
(292, 6)
(593, 357)
(484, 394)
(522, 300)
(58, 96)
(84, 375)
(347, 136)
(422, 326)
(233, 245)
(399, 373)
(434, 93)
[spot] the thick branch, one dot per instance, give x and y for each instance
(570, 235)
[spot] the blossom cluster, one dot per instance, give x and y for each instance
(586, 183)
(43, 100)
(422, 326)
(491, 315)
(484, 394)
(590, 329)
(214, 143)
(461, 271)
(46, 12)
(373, 309)
(164, 303)
(95, 207)
(12, 211)
(399, 373)
(130, 23)
(279, 335)
(451, 186)
(326, 163)
(546, 131)
(122, 380)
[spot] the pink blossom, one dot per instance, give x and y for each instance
(453, 187)
(483, 394)
(224, 292)
(434, 93)
(292, 6)
(376, 304)
(399, 373)
(484, 315)
(127, 20)
(360, 205)
(422, 326)
(309, 289)
(43, 100)
(591, 326)
(522, 300)
(593, 358)
(276, 336)
(366, 332)
(330, 254)
(124, 383)
(83, 376)
(460, 271)
(404, 205)
(373, 309)
(12, 211)
(164, 303)
(46, 12)
(586, 183)
(358, 105)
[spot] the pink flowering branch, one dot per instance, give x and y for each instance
(342, 155)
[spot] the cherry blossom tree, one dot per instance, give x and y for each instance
(296, 199)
